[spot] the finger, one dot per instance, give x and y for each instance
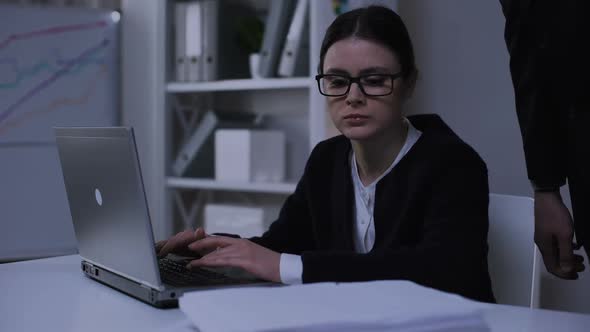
(158, 246)
(566, 254)
(219, 261)
(549, 251)
(180, 240)
(223, 252)
(579, 263)
(168, 246)
(559, 271)
(200, 233)
(211, 243)
(229, 251)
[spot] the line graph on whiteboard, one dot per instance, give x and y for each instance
(58, 68)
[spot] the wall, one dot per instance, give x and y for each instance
(462, 57)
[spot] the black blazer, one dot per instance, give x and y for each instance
(549, 64)
(431, 216)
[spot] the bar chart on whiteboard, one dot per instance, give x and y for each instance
(58, 67)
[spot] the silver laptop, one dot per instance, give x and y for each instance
(109, 211)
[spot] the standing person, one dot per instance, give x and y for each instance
(393, 197)
(549, 65)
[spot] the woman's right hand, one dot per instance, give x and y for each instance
(178, 244)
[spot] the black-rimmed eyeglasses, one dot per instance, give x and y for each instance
(373, 85)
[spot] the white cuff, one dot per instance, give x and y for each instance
(291, 269)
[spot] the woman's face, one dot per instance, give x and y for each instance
(355, 115)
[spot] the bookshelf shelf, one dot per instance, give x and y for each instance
(209, 184)
(241, 85)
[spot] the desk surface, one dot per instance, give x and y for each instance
(52, 294)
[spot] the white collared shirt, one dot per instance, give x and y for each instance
(291, 266)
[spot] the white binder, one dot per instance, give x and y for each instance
(292, 51)
(180, 61)
(194, 43)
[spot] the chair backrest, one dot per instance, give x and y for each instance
(513, 259)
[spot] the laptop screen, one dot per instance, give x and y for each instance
(107, 200)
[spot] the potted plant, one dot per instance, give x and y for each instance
(250, 31)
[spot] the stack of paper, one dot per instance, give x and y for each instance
(368, 306)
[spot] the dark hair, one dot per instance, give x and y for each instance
(375, 23)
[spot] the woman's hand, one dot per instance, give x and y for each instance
(222, 251)
(178, 244)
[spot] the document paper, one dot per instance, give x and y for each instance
(359, 306)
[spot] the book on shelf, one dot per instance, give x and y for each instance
(196, 40)
(275, 32)
(180, 60)
(196, 157)
(210, 21)
(193, 41)
(294, 59)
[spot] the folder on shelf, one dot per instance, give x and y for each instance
(210, 18)
(295, 51)
(194, 43)
(180, 61)
(196, 157)
(275, 31)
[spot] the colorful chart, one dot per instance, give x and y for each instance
(58, 67)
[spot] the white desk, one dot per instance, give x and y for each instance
(53, 295)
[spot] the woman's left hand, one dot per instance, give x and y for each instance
(230, 252)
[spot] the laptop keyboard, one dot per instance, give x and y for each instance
(175, 273)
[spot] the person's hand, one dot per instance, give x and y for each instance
(554, 236)
(178, 244)
(222, 251)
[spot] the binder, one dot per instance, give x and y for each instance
(196, 156)
(296, 44)
(275, 31)
(180, 61)
(194, 43)
(210, 22)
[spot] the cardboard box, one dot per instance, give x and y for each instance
(248, 155)
(245, 221)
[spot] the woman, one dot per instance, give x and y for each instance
(391, 198)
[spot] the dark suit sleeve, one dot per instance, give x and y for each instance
(292, 231)
(451, 255)
(531, 38)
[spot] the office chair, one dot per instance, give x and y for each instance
(513, 258)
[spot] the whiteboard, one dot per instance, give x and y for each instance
(58, 67)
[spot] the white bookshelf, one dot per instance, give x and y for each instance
(241, 85)
(210, 184)
(147, 95)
